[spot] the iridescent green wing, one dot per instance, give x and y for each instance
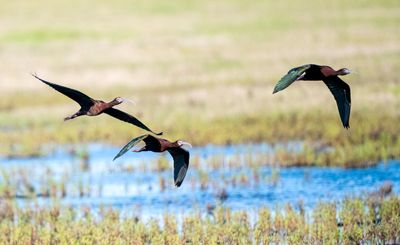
(290, 77)
(131, 144)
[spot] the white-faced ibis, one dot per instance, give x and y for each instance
(339, 89)
(180, 155)
(92, 107)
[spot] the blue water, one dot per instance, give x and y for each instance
(132, 185)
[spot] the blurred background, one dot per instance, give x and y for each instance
(200, 71)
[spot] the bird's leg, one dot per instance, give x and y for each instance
(79, 113)
(141, 149)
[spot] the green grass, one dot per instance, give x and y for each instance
(363, 145)
(57, 224)
(41, 35)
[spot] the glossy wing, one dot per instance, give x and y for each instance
(181, 164)
(341, 92)
(293, 75)
(82, 99)
(128, 146)
(128, 118)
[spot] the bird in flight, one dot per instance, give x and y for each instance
(92, 107)
(154, 144)
(312, 72)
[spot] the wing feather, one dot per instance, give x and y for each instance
(341, 93)
(82, 99)
(123, 116)
(293, 75)
(130, 144)
(181, 164)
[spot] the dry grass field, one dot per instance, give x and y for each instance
(199, 70)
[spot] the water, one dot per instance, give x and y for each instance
(133, 185)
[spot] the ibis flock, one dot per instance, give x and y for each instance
(93, 107)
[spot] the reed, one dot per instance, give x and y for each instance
(345, 222)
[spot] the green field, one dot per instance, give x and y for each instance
(203, 72)
(357, 223)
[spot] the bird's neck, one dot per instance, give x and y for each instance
(169, 144)
(113, 103)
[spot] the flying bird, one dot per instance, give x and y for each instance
(92, 107)
(339, 89)
(180, 155)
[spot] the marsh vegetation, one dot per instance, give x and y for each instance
(204, 72)
(356, 221)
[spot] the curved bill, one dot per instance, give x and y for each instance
(186, 143)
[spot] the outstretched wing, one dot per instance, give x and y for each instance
(341, 92)
(82, 99)
(181, 164)
(128, 118)
(128, 146)
(293, 75)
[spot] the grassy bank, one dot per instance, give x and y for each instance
(326, 143)
(353, 221)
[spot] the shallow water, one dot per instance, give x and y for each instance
(132, 185)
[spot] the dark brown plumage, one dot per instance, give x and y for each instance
(180, 155)
(92, 107)
(339, 89)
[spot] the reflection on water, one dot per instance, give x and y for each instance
(137, 183)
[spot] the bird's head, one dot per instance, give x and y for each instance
(119, 100)
(182, 143)
(343, 71)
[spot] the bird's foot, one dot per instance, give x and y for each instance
(139, 150)
(69, 118)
